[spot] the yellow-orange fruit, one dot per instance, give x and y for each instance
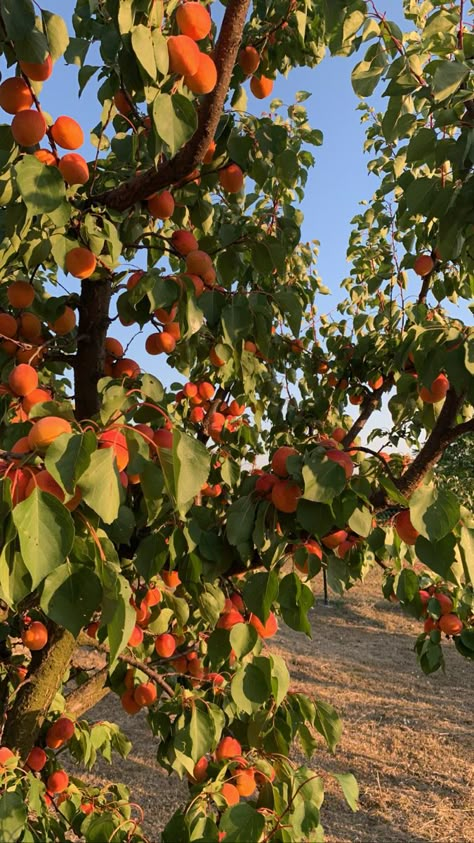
(209, 153)
(128, 702)
(245, 782)
(267, 629)
(35, 636)
(183, 55)
(174, 330)
(29, 326)
(67, 133)
(204, 80)
(126, 367)
(46, 430)
(73, 168)
(261, 87)
(198, 262)
(80, 262)
(46, 157)
(46, 483)
(23, 379)
(113, 347)
(423, 265)
(36, 759)
(115, 439)
(165, 316)
(57, 782)
(215, 359)
(436, 392)
(249, 60)
(184, 242)
(193, 20)
(159, 343)
(20, 294)
(15, 95)
(122, 103)
(65, 323)
(8, 325)
(161, 205)
(134, 278)
(279, 459)
(145, 694)
(38, 71)
(28, 127)
(285, 495)
(231, 178)
(230, 793)
(36, 396)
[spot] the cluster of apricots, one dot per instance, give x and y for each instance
(446, 620)
(29, 126)
(226, 415)
(243, 777)
(249, 61)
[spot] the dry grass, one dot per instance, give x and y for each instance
(407, 738)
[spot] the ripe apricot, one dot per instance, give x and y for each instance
(113, 347)
(20, 294)
(285, 495)
(145, 694)
(165, 316)
(165, 645)
(134, 278)
(193, 20)
(170, 578)
(343, 459)
(15, 95)
(35, 636)
(261, 87)
(5, 754)
(198, 262)
(23, 379)
(200, 769)
(405, 528)
(230, 793)
(184, 242)
(28, 127)
(267, 629)
(436, 392)
(114, 438)
(245, 782)
(279, 460)
(36, 759)
(445, 602)
(46, 483)
(209, 154)
(126, 368)
(161, 205)
(46, 430)
(38, 71)
(129, 704)
(32, 356)
(65, 323)
(376, 383)
(228, 748)
(8, 325)
(450, 624)
(46, 157)
(136, 637)
(63, 728)
(174, 330)
(204, 80)
(249, 60)
(231, 178)
(215, 359)
(423, 265)
(67, 133)
(152, 597)
(158, 343)
(122, 103)
(229, 619)
(206, 390)
(183, 55)
(73, 168)
(80, 262)
(334, 539)
(57, 782)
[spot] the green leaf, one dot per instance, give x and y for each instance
(45, 531)
(100, 485)
(434, 512)
(151, 556)
(142, 46)
(242, 823)
(260, 591)
(68, 457)
(366, 76)
(447, 78)
(174, 119)
(13, 816)
(243, 638)
(295, 600)
(18, 18)
(323, 479)
(117, 612)
(240, 520)
(56, 33)
(191, 464)
(407, 586)
(250, 688)
(361, 521)
(350, 789)
(328, 724)
(439, 556)
(41, 187)
(70, 595)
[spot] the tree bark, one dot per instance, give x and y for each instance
(93, 324)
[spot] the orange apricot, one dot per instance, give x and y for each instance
(249, 60)
(67, 133)
(159, 343)
(23, 379)
(450, 624)
(184, 242)
(231, 178)
(261, 87)
(285, 495)
(20, 294)
(230, 793)
(65, 323)
(204, 80)
(35, 636)
(73, 168)
(198, 262)
(114, 438)
(80, 262)
(215, 359)
(5, 754)
(136, 637)
(36, 759)
(405, 528)
(8, 325)
(113, 347)
(57, 782)
(15, 95)
(46, 157)
(193, 20)
(245, 782)
(38, 71)
(145, 694)
(165, 645)
(165, 316)
(183, 55)
(28, 127)
(209, 153)
(46, 430)
(36, 396)
(129, 704)
(161, 205)
(423, 265)
(126, 367)
(279, 460)
(45, 483)
(436, 392)
(267, 629)
(134, 278)
(228, 748)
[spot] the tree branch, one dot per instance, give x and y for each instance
(87, 695)
(368, 406)
(192, 154)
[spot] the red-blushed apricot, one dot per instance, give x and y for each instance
(136, 637)
(165, 645)
(38, 71)
(314, 549)
(248, 60)
(445, 602)
(134, 278)
(29, 326)
(245, 781)
(46, 430)
(65, 323)
(196, 415)
(57, 782)
(46, 483)
(342, 459)
(67, 133)
(450, 624)
(161, 205)
(92, 629)
(209, 154)
(423, 265)
(405, 528)
(184, 242)
(198, 262)
(377, 382)
(174, 330)
(205, 79)
(160, 343)
(355, 398)
(183, 55)
(334, 539)
(206, 390)
(87, 807)
(126, 367)
(229, 619)
(113, 347)
(74, 168)
(230, 793)
(5, 754)
(63, 728)
(279, 459)
(261, 87)
(80, 262)
(36, 759)
(122, 103)
(15, 95)
(145, 694)
(231, 178)
(200, 769)
(28, 127)
(285, 495)
(193, 20)
(165, 316)
(152, 597)
(19, 481)
(228, 748)
(35, 636)
(23, 379)
(128, 702)
(20, 294)
(8, 325)
(338, 434)
(46, 157)
(163, 438)
(436, 392)
(170, 578)
(114, 438)
(429, 625)
(267, 629)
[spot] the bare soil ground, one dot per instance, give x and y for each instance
(408, 738)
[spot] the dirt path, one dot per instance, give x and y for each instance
(408, 739)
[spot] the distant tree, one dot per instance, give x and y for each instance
(455, 471)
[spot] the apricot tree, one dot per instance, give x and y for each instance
(171, 528)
